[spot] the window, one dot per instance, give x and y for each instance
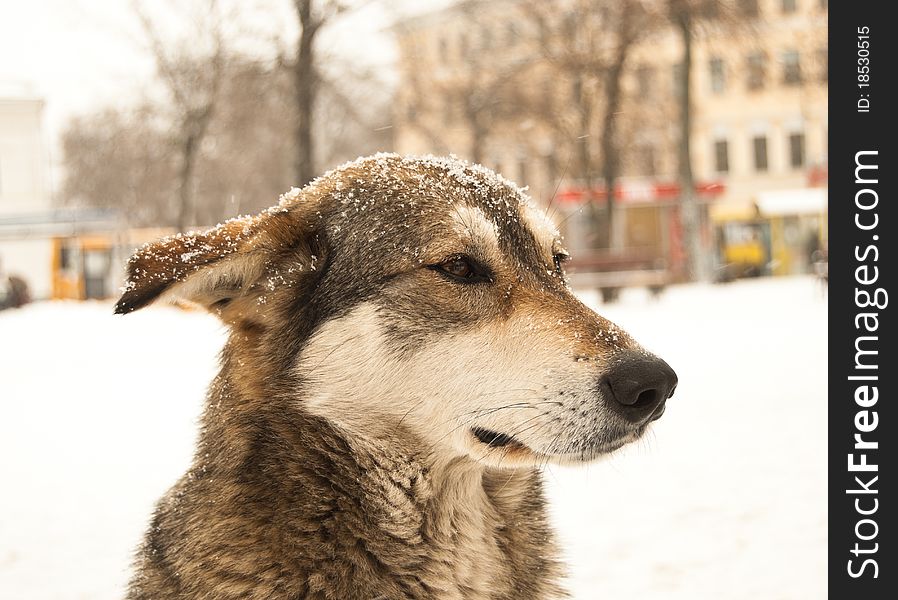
(756, 73)
(646, 160)
(718, 75)
(759, 146)
(721, 156)
(644, 81)
(444, 49)
(677, 78)
(796, 150)
(789, 6)
(791, 68)
(748, 8)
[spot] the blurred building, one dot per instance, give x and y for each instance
(58, 252)
(758, 144)
(24, 186)
(761, 129)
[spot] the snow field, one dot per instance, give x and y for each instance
(724, 499)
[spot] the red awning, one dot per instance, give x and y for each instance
(640, 193)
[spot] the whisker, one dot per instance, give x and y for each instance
(576, 212)
(510, 476)
(465, 422)
(334, 349)
(490, 411)
(516, 405)
(506, 391)
(414, 406)
(567, 164)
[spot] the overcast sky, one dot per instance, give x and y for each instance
(83, 55)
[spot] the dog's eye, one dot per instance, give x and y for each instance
(560, 257)
(459, 267)
(463, 269)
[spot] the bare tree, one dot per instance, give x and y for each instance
(483, 87)
(121, 159)
(478, 85)
(191, 71)
(686, 17)
(590, 44)
(130, 159)
(629, 23)
(682, 17)
(312, 16)
(246, 161)
(344, 127)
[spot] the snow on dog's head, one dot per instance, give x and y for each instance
(423, 294)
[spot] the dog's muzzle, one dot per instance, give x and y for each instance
(637, 387)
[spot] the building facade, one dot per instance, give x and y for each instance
(479, 79)
(24, 185)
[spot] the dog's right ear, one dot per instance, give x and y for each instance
(217, 267)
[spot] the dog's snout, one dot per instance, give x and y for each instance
(638, 385)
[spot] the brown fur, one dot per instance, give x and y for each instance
(286, 503)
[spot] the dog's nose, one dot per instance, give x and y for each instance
(638, 385)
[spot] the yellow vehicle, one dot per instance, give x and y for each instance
(89, 267)
(81, 267)
(744, 248)
(775, 234)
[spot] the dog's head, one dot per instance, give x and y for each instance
(421, 293)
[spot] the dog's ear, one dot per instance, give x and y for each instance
(216, 267)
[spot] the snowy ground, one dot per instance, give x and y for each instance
(726, 499)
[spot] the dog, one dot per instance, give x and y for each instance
(404, 356)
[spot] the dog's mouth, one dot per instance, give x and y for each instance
(515, 449)
(494, 439)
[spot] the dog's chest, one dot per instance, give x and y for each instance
(462, 531)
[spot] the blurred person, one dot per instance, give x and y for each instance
(812, 251)
(13, 290)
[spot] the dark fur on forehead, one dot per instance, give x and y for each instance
(395, 203)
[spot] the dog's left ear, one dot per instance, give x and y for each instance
(215, 267)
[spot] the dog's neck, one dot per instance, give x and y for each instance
(289, 436)
(456, 507)
(444, 486)
(466, 528)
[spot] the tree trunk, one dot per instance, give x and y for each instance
(185, 181)
(194, 127)
(609, 149)
(584, 163)
(306, 91)
(688, 203)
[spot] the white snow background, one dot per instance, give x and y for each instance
(724, 499)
